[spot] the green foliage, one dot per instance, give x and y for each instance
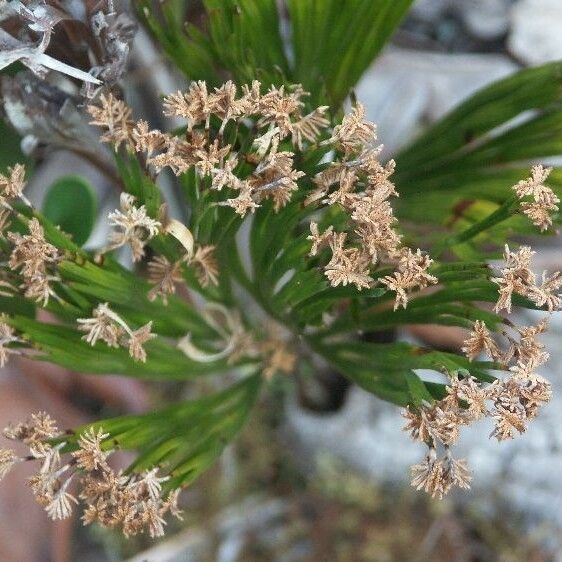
(483, 147)
(331, 43)
(334, 42)
(183, 439)
(10, 152)
(70, 203)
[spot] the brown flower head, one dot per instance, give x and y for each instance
(12, 185)
(480, 340)
(90, 455)
(114, 116)
(354, 132)
(545, 202)
(164, 275)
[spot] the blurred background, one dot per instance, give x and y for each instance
(321, 474)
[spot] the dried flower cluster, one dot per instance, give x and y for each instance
(361, 185)
(544, 201)
(35, 258)
(517, 277)
(31, 256)
(273, 175)
(510, 402)
(108, 326)
(12, 186)
(113, 115)
(132, 226)
(241, 149)
(7, 336)
(133, 502)
(166, 275)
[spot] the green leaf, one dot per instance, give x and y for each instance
(127, 293)
(313, 307)
(241, 36)
(183, 439)
(17, 305)
(335, 41)
(332, 42)
(386, 369)
(71, 204)
(418, 391)
(64, 346)
(483, 146)
(10, 151)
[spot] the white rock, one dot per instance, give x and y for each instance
(405, 88)
(536, 31)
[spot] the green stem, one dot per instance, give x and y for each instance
(505, 211)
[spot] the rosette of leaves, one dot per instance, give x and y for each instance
(457, 178)
(252, 192)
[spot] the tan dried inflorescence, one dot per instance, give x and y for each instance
(510, 402)
(277, 116)
(278, 112)
(357, 182)
(361, 186)
(164, 276)
(7, 336)
(12, 186)
(543, 201)
(133, 502)
(132, 226)
(108, 326)
(35, 258)
(517, 277)
(115, 117)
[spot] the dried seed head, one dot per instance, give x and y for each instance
(132, 226)
(7, 460)
(134, 502)
(480, 340)
(517, 277)
(164, 276)
(101, 326)
(114, 116)
(206, 266)
(108, 326)
(90, 456)
(354, 132)
(545, 202)
(35, 258)
(411, 274)
(137, 339)
(7, 336)
(12, 185)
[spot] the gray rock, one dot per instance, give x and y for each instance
(485, 19)
(430, 10)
